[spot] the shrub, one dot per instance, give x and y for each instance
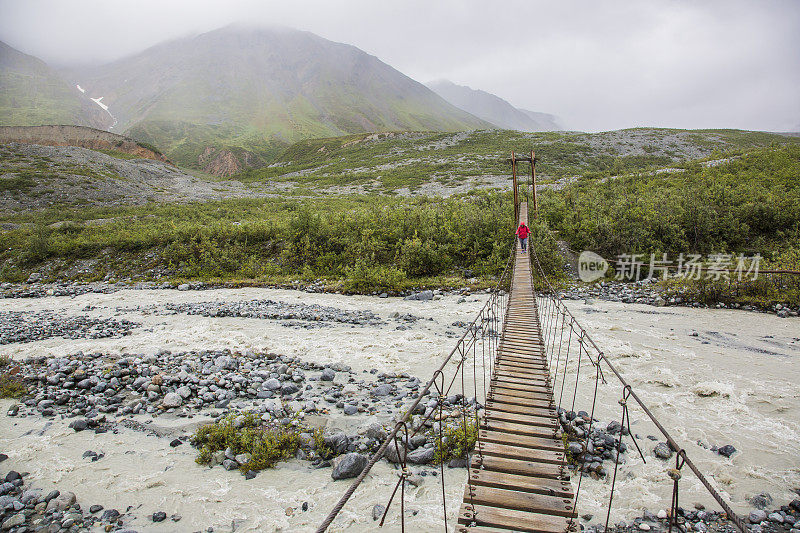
(245, 433)
(457, 440)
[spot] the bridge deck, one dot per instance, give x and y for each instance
(518, 481)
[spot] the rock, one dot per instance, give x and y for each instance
(250, 474)
(377, 511)
(272, 384)
(230, 464)
(289, 388)
(761, 501)
(62, 502)
(95, 508)
(348, 466)
(175, 443)
(795, 504)
(757, 516)
(242, 458)
(384, 389)
(662, 450)
(172, 399)
(110, 515)
(662, 514)
(644, 526)
(776, 517)
(575, 449)
(374, 431)
(79, 425)
(183, 287)
(159, 516)
(421, 296)
(422, 456)
(727, 450)
(350, 409)
(392, 454)
(457, 462)
(3, 457)
(328, 374)
(337, 442)
(16, 520)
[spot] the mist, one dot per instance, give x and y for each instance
(597, 66)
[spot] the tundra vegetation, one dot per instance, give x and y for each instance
(635, 191)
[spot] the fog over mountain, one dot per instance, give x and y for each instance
(494, 109)
(597, 66)
(236, 96)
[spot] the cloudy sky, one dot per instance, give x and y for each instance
(597, 65)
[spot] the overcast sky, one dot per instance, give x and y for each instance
(596, 65)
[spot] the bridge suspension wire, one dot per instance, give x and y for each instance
(553, 305)
(488, 322)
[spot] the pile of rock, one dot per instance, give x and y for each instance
(591, 444)
(269, 309)
(183, 383)
(649, 292)
(785, 518)
(28, 326)
(24, 509)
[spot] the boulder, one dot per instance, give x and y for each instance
(172, 399)
(348, 466)
(662, 450)
(421, 456)
(62, 502)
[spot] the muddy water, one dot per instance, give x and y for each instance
(712, 377)
(736, 382)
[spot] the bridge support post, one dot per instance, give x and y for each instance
(516, 193)
(533, 185)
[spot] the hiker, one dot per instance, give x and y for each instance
(522, 232)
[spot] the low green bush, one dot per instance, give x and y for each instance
(458, 440)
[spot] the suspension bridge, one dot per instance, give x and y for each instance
(512, 360)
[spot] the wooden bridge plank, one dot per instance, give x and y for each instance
(516, 452)
(523, 441)
(521, 501)
(550, 487)
(519, 429)
(492, 416)
(513, 519)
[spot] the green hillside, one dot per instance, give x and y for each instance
(255, 91)
(33, 94)
(394, 161)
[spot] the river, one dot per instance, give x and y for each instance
(737, 381)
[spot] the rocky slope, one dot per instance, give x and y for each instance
(83, 137)
(35, 177)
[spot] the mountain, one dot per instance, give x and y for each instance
(492, 108)
(242, 94)
(32, 94)
(545, 121)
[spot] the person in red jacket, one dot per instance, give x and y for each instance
(522, 232)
